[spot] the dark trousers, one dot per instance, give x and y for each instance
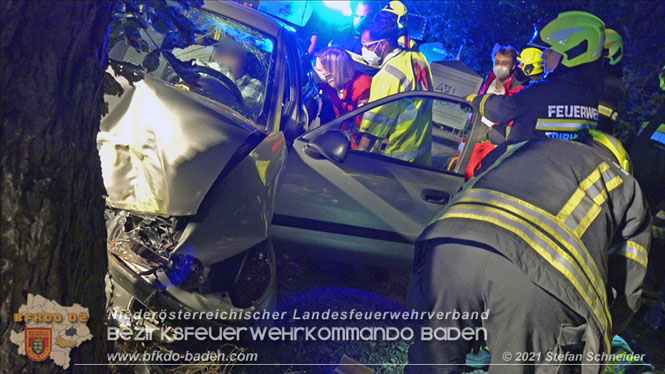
(524, 322)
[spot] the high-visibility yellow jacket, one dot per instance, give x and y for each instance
(574, 223)
(402, 42)
(406, 125)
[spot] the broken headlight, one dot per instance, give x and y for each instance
(186, 271)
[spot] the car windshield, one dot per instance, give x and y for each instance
(234, 61)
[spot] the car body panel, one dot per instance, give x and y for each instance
(156, 139)
(238, 209)
(340, 247)
(368, 208)
(363, 210)
(364, 191)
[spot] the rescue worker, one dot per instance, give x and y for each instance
(399, 10)
(349, 38)
(530, 67)
(566, 101)
(612, 96)
(404, 125)
(551, 241)
(606, 143)
(500, 81)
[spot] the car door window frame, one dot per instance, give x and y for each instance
(468, 148)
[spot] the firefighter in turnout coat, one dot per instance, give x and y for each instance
(557, 257)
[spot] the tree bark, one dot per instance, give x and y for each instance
(53, 236)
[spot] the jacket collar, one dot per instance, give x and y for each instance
(507, 84)
(392, 54)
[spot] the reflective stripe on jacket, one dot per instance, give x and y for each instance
(406, 124)
(575, 224)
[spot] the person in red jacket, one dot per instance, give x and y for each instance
(500, 81)
(347, 88)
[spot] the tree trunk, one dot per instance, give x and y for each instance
(53, 236)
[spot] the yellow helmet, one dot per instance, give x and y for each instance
(533, 63)
(397, 8)
(614, 46)
(578, 36)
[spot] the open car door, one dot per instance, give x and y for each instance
(337, 203)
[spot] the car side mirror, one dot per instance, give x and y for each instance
(332, 145)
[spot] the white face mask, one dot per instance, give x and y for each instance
(501, 72)
(371, 57)
(323, 78)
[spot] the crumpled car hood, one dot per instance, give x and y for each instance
(161, 147)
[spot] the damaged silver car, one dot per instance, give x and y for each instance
(202, 179)
(190, 171)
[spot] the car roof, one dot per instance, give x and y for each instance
(251, 17)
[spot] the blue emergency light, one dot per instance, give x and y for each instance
(334, 12)
(342, 6)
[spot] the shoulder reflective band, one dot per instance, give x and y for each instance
(547, 223)
(585, 203)
(659, 134)
(547, 249)
(404, 81)
(549, 124)
(634, 252)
